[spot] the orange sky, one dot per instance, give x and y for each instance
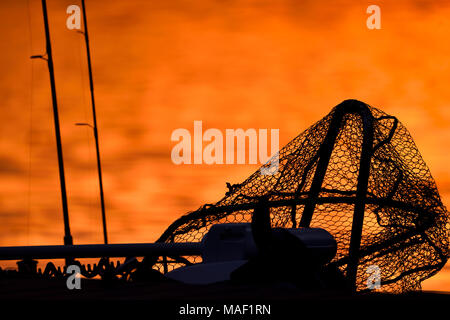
(159, 66)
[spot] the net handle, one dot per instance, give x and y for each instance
(325, 151)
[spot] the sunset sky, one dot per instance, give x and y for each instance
(161, 65)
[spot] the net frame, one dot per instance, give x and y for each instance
(358, 174)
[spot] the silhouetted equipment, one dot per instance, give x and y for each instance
(228, 247)
(356, 174)
(67, 236)
(351, 192)
(94, 127)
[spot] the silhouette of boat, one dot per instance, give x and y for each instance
(351, 207)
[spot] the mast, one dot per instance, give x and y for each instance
(95, 128)
(67, 236)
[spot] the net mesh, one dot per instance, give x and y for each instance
(405, 227)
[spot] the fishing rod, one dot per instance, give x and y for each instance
(94, 126)
(49, 58)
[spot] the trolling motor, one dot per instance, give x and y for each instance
(255, 252)
(227, 248)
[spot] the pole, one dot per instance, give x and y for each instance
(101, 250)
(97, 148)
(67, 236)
